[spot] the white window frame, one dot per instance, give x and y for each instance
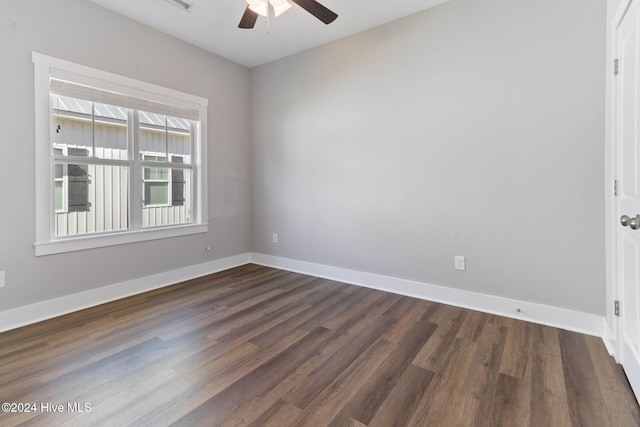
(46, 243)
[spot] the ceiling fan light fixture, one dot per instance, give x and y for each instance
(279, 6)
(256, 8)
(261, 7)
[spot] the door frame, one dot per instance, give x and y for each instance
(616, 10)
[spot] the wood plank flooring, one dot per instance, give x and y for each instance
(262, 347)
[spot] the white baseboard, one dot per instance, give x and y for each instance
(586, 323)
(21, 316)
(571, 320)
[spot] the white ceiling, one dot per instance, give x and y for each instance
(213, 24)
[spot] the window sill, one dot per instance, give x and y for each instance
(103, 240)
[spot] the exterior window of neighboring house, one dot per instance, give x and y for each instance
(156, 183)
(163, 186)
(125, 159)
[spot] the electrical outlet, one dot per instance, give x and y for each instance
(461, 263)
(275, 238)
(1, 279)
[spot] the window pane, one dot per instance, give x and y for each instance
(172, 199)
(156, 174)
(72, 125)
(156, 193)
(59, 171)
(153, 157)
(97, 199)
(110, 132)
(78, 122)
(153, 136)
(166, 136)
(58, 199)
(179, 136)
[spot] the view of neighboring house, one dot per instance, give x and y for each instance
(93, 196)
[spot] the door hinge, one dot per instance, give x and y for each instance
(616, 308)
(615, 187)
(616, 67)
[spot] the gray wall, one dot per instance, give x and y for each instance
(82, 32)
(474, 128)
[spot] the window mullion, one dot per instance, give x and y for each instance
(195, 161)
(90, 161)
(93, 129)
(135, 204)
(166, 138)
(167, 157)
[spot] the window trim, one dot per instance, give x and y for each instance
(46, 243)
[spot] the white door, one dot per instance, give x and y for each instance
(628, 203)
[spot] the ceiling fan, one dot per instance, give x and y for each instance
(261, 7)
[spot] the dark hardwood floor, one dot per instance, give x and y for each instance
(263, 347)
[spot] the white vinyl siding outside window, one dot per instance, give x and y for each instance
(125, 159)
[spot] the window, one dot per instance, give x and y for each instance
(125, 159)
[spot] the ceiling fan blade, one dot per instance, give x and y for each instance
(317, 10)
(249, 19)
